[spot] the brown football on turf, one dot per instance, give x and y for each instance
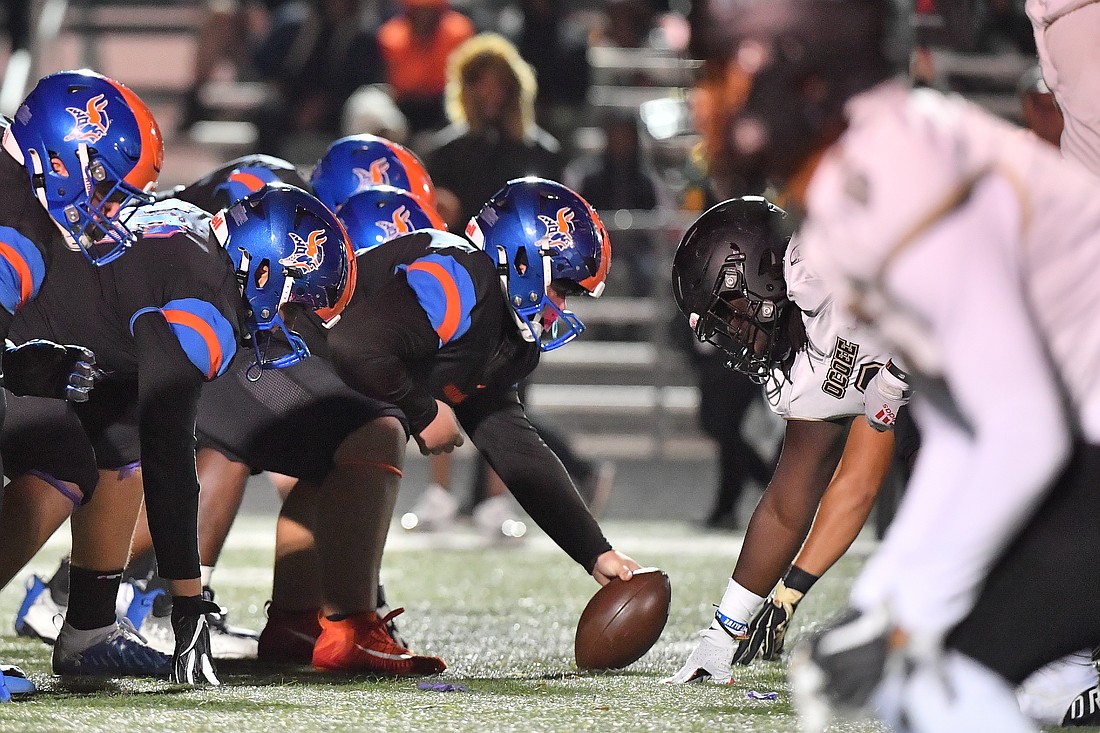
(623, 620)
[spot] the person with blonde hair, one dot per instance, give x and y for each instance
(492, 137)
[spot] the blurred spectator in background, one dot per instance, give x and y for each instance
(415, 46)
(726, 398)
(620, 178)
(641, 24)
(228, 36)
(493, 136)
(315, 57)
(630, 24)
(556, 46)
(1005, 28)
(371, 110)
(1067, 35)
(1038, 106)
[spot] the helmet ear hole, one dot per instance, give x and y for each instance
(520, 261)
(57, 165)
(262, 273)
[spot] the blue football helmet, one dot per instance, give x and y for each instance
(232, 181)
(286, 248)
(543, 236)
(358, 162)
(381, 213)
(88, 143)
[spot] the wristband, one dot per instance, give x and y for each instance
(893, 369)
(736, 629)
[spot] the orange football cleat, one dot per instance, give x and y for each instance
(360, 643)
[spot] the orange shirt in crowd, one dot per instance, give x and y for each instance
(414, 69)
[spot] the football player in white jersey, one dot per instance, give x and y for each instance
(971, 247)
(1067, 35)
(735, 278)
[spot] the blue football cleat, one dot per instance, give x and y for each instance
(13, 681)
(39, 615)
(119, 652)
(141, 605)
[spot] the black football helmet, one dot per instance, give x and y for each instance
(727, 278)
(803, 60)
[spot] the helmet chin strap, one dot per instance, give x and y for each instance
(288, 285)
(242, 270)
(85, 161)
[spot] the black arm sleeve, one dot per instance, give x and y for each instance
(500, 429)
(168, 393)
(373, 348)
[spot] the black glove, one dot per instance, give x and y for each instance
(42, 368)
(835, 671)
(768, 628)
(192, 661)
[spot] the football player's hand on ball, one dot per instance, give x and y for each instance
(768, 628)
(887, 393)
(709, 660)
(613, 564)
(442, 434)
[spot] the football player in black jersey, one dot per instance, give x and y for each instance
(165, 318)
(346, 449)
(445, 332)
(433, 331)
(87, 146)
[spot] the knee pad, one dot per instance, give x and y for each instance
(952, 692)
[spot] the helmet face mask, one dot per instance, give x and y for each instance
(548, 243)
(287, 248)
(746, 328)
(727, 278)
(93, 152)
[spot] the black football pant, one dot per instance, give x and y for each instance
(1041, 600)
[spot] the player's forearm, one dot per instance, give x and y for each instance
(849, 498)
(168, 391)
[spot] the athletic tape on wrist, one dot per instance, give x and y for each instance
(736, 629)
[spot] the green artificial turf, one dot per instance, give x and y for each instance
(502, 617)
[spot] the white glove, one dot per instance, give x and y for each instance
(887, 393)
(709, 660)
